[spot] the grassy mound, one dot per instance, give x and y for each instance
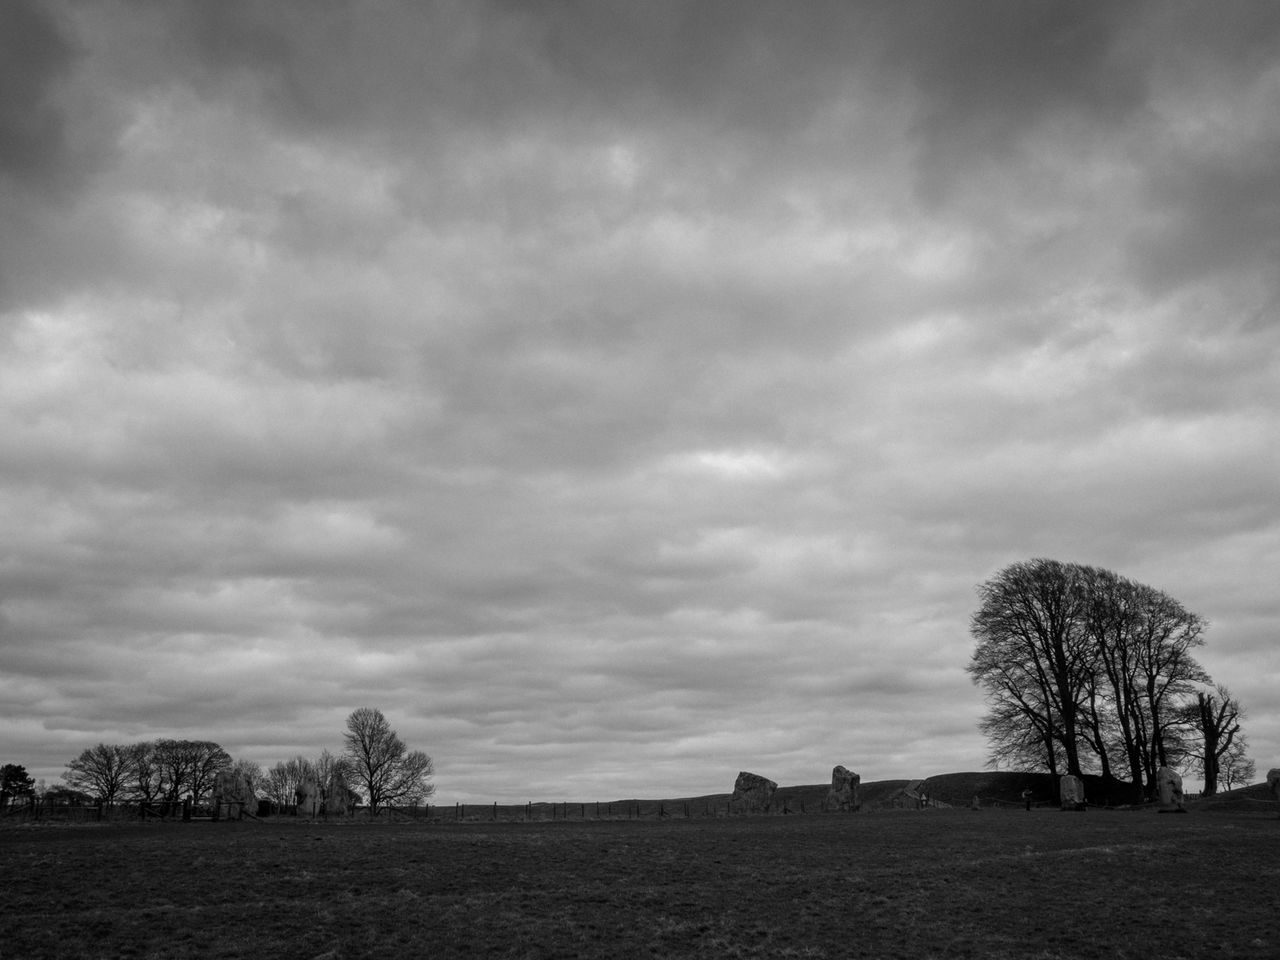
(994, 788)
(1253, 797)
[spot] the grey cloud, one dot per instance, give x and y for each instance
(1219, 215)
(607, 391)
(35, 55)
(989, 73)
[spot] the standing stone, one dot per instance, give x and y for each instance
(754, 791)
(843, 795)
(309, 800)
(339, 799)
(1071, 792)
(1169, 785)
(1273, 781)
(233, 796)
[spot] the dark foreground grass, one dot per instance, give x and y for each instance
(940, 883)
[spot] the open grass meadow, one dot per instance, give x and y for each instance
(883, 883)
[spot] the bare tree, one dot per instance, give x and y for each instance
(1166, 673)
(189, 765)
(283, 780)
(145, 778)
(1235, 769)
(382, 764)
(251, 773)
(103, 771)
(1217, 717)
(1085, 669)
(1112, 618)
(1032, 652)
(335, 775)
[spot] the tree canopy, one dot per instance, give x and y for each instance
(381, 762)
(1088, 671)
(165, 770)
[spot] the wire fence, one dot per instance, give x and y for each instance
(41, 810)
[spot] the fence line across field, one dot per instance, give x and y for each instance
(530, 811)
(541, 811)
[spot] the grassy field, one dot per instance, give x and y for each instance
(993, 884)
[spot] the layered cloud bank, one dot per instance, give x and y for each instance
(619, 395)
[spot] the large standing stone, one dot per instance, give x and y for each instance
(754, 792)
(1273, 781)
(339, 799)
(308, 797)
(233, 796)
(1071, 792)
(1169, 786)
(843, 794)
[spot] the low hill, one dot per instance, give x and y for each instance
(1256, 796)
(805, 798)
(953, 789)
(992, 789)
(959, 789)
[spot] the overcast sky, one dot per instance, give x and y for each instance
(619, 395)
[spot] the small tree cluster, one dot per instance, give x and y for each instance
(1087, 670)
(152, 771)
(375, 762)
(282, 781)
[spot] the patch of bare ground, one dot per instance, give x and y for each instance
(992, 884)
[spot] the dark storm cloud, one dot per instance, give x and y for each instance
(35, 56)
(990, 72)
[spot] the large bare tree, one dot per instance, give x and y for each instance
(103, 771)
(1217, 715)
(1085, 669)
(285, 777)
(382, 764)
(1032, 653)
(189, 766)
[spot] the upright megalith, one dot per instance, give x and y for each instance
(753, 792)
(339, 799)
(1169, 786)
(310, 801)
(1071, 792)
(843, 795)
(233, 796)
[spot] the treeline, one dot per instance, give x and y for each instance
(1087, 671)
(376, 765)
(154, 771)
